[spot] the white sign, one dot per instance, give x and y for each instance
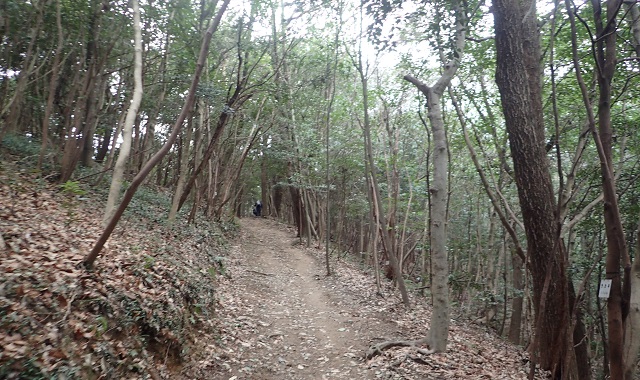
(605, 288)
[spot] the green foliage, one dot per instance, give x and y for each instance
(149, 261)
(218, 268)
(150, 205)
(102, 325)
(72, 189)
(20, 145)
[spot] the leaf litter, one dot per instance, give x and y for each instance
(178, 302)
(283, 318)
(139, 314)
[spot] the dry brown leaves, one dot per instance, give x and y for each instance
(147, 311)
(136, 316)
(473, 352)
(267, 333)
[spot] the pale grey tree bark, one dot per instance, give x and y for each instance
(132, 112)
(439, 330)
(146, 169)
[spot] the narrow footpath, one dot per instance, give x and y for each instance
(280, 317)
(283, 321)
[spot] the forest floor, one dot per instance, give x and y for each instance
(283, 318)
(243, 300)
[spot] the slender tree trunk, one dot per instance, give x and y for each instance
(184, 170)
(264, 183)
(223, 119)
(617, 254)
(53, 84)
(235, 170)
(439, 331)
(112, 152)
(139, 178)
(632, 323)
(366, 126)
(393, 261)
(14, 107)
(515, 323)
(132, 112)
(375, 232)
(616, 246)
(277, 198)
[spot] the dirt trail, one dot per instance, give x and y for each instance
(289, 322)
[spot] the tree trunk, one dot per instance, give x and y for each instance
(132, 112)
(634, 14)
(439, 189)
(632, 323)
(277, 197)
(518, 76)
(139, 178)
(14, 107)
(53, 84)
(184, 170)
(382, 223)
(233, 173)
(112, 152)
(515, 323)
(264, 183)
(617, 255)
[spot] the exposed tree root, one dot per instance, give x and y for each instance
(377, 349)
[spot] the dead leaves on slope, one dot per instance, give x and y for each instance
(135, 316)
(472, 351)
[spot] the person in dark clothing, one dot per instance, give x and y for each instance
(257, 209)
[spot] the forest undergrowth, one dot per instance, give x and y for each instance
(163, 300)
(137, 315)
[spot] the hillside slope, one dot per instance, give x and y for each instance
(182, 302)
(135, 316)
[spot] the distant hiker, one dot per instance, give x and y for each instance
(257, 208)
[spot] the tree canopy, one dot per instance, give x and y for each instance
(304, 106)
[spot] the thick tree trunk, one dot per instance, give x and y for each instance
(518, 76)
(103, 148)
(634, 15)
